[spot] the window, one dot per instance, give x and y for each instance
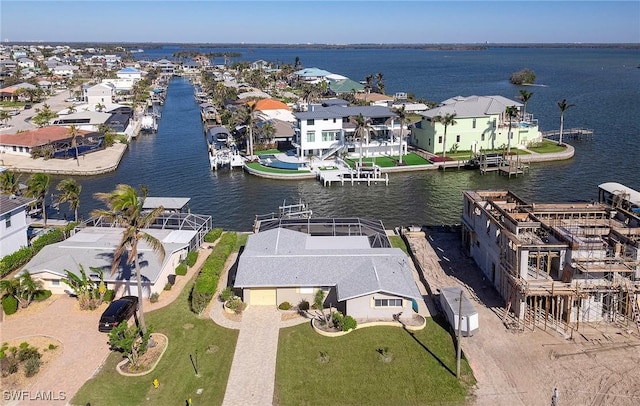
(440, 139)
(7, 222)
(330, 135)
(482, 137)
(457, 138)
(311, 136)
(55, 282)
(310, 121)
(473, 124)
(306, 290)
(388, 302)
(494, 123)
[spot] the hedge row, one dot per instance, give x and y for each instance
(192, 258)
(213, 235)
(207, 280)
(14, 261)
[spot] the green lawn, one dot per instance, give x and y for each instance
(390, 161)
(422, 370)
(268, 152)
(547, 147)
(258, 167)
(187, 334)
(398, 242)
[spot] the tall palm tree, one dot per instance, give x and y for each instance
(563, 106)
(446, 120)
(38, 187)
(74, 133)
(70, 192)
(9, 182)
(125, 209)
(363, 126)
(402, 119)
(100, 107)
(525, 96)
(4, 116)
(71, 109)
(247, 118)
(511, 112)
(380, 84)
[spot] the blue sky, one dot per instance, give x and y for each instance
(327, 22)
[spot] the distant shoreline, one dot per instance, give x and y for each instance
(419, 46)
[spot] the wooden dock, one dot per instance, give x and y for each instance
(569, 133)
(342, 176)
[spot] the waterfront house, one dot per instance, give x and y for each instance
(165, 66)
(559, 263)
(23, 143)
(375, 99)
(311, 75)
(93, 245)
(345, 86)
(102, 93)
(13, 223)
(273, 109)
(351, 260)
(83, 119)
(481, 124)
(324, 131)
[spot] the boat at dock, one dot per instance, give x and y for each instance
(222, 149)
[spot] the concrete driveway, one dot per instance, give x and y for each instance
(83, 347)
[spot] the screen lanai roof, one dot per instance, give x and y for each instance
(286, 258)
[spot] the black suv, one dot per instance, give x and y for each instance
(118, 311)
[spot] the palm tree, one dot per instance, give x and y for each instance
(4, 116)
(74, 133)
(38, 187)
(380, 84)
(446, 121)
(247, 118)
(403, 119)
(71, 109)
(511, 112)
(525, 96)
(9, 182)
(563, 106)
(100, 107)
(125, 209)
(363, 126)
(70, 192)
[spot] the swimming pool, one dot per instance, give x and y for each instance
(273, 162)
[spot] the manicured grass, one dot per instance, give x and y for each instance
(398, 242)
(268, 152)
(390, 161)
(257, 166)
(547, 147)
(187, 334)
(422, 370)
(414, 159)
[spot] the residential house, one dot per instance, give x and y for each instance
(351, 260)
(83, 119)
(311, 75)
(165, 66)
(26, 63)
(12, 92)
(481, 123)
(102, 93)
(23, 143)
(130, 73)
(323, 131)
(67, 71)
(93, 245)
(13, 223)
(558, 263)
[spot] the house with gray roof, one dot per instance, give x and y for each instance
(361, 278)
(481, 122)
(13, 222)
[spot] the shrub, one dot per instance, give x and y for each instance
(8, 365)
(284, 306)
(28, 352)
(338, 320)
(9, 305)
(181, 269)
(13, 261)
(303, 305)
(213, 235)
(52, 346)
(192, 258)
(524, 76)
(109, 295)
(199, 300)
(349, 323)
(42, 295)
(31, 366)
(168, 286)
(154, 297)
(226, 294)
(236, 304)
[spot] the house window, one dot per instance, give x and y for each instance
(310, 122)
(329, 135)
(388, 302)
(334, 120)
(306, 290)
(440, 139)
(55, 282)
(494, 123)
(473, 124)
(457, 138)
(7, 222)
(311, 136)
(482, 137)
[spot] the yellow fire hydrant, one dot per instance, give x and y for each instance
(156, 383)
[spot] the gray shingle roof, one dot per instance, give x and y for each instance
(286, 258)
(320, 112)
(472, 106)
(10, 203)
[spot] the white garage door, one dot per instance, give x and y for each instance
(263, 297)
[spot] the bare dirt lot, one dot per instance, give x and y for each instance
(599, 365)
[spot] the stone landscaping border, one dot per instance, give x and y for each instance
(121, 363)
(371, 324)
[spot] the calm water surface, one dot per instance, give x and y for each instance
(604, 84)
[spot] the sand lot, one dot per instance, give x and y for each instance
(599, 365)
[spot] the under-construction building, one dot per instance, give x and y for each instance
(559, 264)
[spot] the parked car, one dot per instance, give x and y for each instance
(119, 311)
(27, 106)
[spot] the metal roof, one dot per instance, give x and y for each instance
(169, 203)
(631, 195)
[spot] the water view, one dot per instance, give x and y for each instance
(602, 83)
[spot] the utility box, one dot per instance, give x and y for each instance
(450, 302)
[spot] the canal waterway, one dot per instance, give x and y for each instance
(603, 84)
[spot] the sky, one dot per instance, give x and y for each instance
(321, 22)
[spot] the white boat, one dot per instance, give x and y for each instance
(148, 123)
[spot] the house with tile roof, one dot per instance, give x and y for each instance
(23, 143)
(481, 123)
(354, 265)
